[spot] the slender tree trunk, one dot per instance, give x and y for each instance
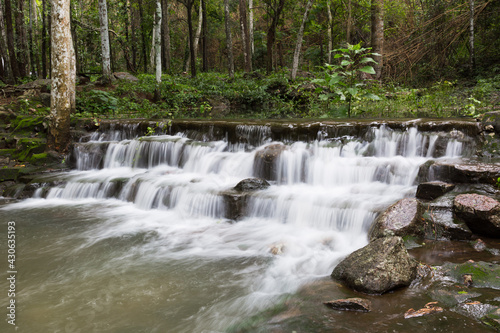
(271, 35)
(251, 29)
(4, 49)
(75, 43)
(300, 36)
(22, 42)
(204, 37)
(106, 59)
(471, 39)
(133, 36)
(349, 19)
(10, 40)
(63, 78)
(30, 37)
(189, 7)
(158, 50)
(196, 37)
(330, 25)
(143, 35)
(44, 39)
(152, 54)
(245, 36)
(166, 36)
(377, 13)
(229, 41)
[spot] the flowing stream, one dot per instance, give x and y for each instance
(137, 237)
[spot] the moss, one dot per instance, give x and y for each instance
(484, 275)
(28, 124)
(7, 152)
(9, 173)
(38, 158)
(29, 146)
(492, 319)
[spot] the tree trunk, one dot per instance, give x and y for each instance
(44, 39)
(250, 28)
(106, 59)
(349, 19)
(330, 25)
(152, 54)
(245, 36)
(229, 41)
(471, 39)
(271, 35)
(166, 36)
(204, 37)
(63, 78)
(133, 36)
(21, 39)
(143, 36)
(377, 13)
(10, 40)
(75, 44)
(196, 37)
(189, 7)
(300, 36)
(4, 49)
(158, 50)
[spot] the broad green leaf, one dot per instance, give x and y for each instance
(334, 80)
(366, 59)
(371, 96)
(352, 91)
(338, 55)
(367, 69)
(345, 63)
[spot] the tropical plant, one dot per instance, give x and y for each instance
(345, 80)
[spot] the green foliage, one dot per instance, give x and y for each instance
(96, 102)
(344, 80)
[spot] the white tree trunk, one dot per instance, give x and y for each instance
(158, 48)
(229, 40)
(63, 77)
(106, 59)
(250, 27)
(300, 37)
(152, 53)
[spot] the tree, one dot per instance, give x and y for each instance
(166, 35)
(21, 40)
(4, 54)
(229, 41)
(300, 36)
(471, 38)
(377, 29)
(245, 36)
(10, 40)
(63, 77)
(158, 49)
(106, 59)
(274, 9)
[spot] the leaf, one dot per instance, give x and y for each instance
(346, 63)
(334, 80)
(338, 55)
(366, 59)
(371, 96)
(367, 69)
(352, 91)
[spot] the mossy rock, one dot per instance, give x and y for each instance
(484, 274)
(28, 146)
(492, 319)
(9, 173)
(28, 124)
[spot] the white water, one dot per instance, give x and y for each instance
(149, 228)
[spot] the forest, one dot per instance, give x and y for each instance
(265, 58)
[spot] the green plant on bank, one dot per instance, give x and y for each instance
(343, 80)
(96, 102)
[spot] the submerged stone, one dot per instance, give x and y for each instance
(252, 184)
(429, 308)
(479, 274)
(433, 190)
(350, 304)
(381, 266)
(479, 212)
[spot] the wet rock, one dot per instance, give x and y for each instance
(470, 173)
(492, 319)
(433, 190)
(491, 120)
(429, 308)
(277, 249)
(251, 184)
(350, 304)
(479, 212)
(468, 280)
(125, 76)
(235, 205)
(381, 266)
(482, 274)
(479, 245)
(265, 163)
(401, 219)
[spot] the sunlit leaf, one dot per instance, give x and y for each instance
(367, 69)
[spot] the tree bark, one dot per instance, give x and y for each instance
(44, 39)
(229, 41)
(271, 34)
(204, 37)
(21, 39)
(330, 25)
(3, 45)
(471, 39)
(377, 30)
(158, 50)
(196, 38)
(106, 59)
(245, 37)
(300, 36)
(143, 35)
(63, 78)
(349, 19)
(166, 36)
(10, 40)
(250, 28)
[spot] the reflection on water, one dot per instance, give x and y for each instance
(143, 245)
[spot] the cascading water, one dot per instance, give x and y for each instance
(137, 238)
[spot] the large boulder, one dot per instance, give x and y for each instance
(125, 76)
(479, 212)
(433, 190)
(265, 163)
(251, 184)
(381, 266)
(401, 219)
(466, 173)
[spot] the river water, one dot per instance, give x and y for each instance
(136, 238)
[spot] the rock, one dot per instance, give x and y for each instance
(265, 161)
(491, 119)
(251, 184)
(479, 245)
(470, 173)
(45, 99)
(82, 79)
(433, 190)
(350, 304)
(37, 84)
(426, 310)
(401, 219)
(492, 319)
(479, 212)
(381, 266)
(468, 280)
(235, 204)
(125, 76)
(277, 249)
(481, 274)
